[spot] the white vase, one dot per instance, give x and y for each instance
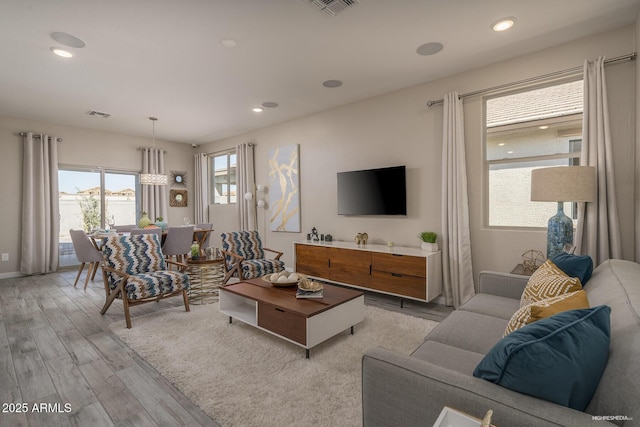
(430, 247)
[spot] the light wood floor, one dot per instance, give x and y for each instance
(56, 349)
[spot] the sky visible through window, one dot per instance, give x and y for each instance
(70, 181)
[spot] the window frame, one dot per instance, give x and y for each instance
(212, 176)
(572, 157)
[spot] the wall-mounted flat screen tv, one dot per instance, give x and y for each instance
(373, 192)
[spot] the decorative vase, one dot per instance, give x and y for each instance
(144, 221)
(163, 225)
(429, 247)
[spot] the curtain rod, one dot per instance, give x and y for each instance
(149, 148)
(36, 135)
(628, 57)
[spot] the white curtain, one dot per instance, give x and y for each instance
(40, 208)
(154, 197)
(456, 240)
(201, 190)
(598, 229)
(245, 184)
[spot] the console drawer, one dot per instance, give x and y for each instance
(283, 323)
(401, 284)
(401, 264)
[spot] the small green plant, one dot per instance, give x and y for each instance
(428, 236)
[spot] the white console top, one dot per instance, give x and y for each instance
(400, 250)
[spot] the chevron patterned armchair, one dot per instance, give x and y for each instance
(135, 271)
(245, 258)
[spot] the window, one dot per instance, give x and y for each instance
(89, 199)
(524, 131)
(223, 173)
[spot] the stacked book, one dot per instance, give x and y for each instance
(301, 293)
(309, 289)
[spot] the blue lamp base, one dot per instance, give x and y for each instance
(559, 232)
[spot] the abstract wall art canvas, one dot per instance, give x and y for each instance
(284, 189)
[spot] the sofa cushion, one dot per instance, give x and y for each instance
(446, 356)
(492, 305)
(469, 331)
(580, 266)
(559, 359)
(547, 308)
(546, 282)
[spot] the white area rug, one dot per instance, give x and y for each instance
(242, 376)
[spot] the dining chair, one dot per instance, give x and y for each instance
(207, 240)
(178, 242)
(154, 230)
(245, 257)
(125, 228)
(86, 252)
(135, 271)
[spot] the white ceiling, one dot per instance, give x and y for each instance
(163, 58)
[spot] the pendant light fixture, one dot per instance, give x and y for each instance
(153, 178)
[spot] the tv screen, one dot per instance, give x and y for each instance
(373, 192)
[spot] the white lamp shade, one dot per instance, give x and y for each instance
(564, 184)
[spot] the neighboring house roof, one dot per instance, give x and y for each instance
(553, 101)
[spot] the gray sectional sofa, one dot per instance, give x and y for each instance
(402, 390)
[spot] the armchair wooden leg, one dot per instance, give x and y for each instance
(185, 297)
(110, 297)
(79, 273)
(127, 315)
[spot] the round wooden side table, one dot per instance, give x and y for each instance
(206, 276)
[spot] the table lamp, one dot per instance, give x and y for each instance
(562, 184)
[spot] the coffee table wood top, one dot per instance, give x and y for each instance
(285, 297)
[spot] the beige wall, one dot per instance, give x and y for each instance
(80, 147)
(398, 128)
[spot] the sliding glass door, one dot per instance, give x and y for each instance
(91, 199)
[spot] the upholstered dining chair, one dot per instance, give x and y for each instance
(244, 256)
(124, 228)
(153, 230)
(207, 241)
(134, 270)
(178, 242)
(86, 252)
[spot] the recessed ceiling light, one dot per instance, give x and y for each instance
(429, 48)
(68, 40)
(61, 52)
(543, 127)
(332, 83)
(257, 110)
(269, 104)
(228, 42)
(501, 144)
(509, 152)
(503, 24)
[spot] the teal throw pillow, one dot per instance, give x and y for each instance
(560, 359)
(580, 266)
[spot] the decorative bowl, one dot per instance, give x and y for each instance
(309, 285)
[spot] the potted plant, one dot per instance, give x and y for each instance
(429, 241)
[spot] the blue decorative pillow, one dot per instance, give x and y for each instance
(580, 266)
(560, 359)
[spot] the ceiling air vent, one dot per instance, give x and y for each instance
(99, 113)
(333, 7)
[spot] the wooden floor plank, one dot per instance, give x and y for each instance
(48, 411)
(48, 343)
(69, 382)
(33, 377)
(144, 388)
(114, 395)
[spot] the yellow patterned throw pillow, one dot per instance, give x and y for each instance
(547, 308)
(546, 282)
